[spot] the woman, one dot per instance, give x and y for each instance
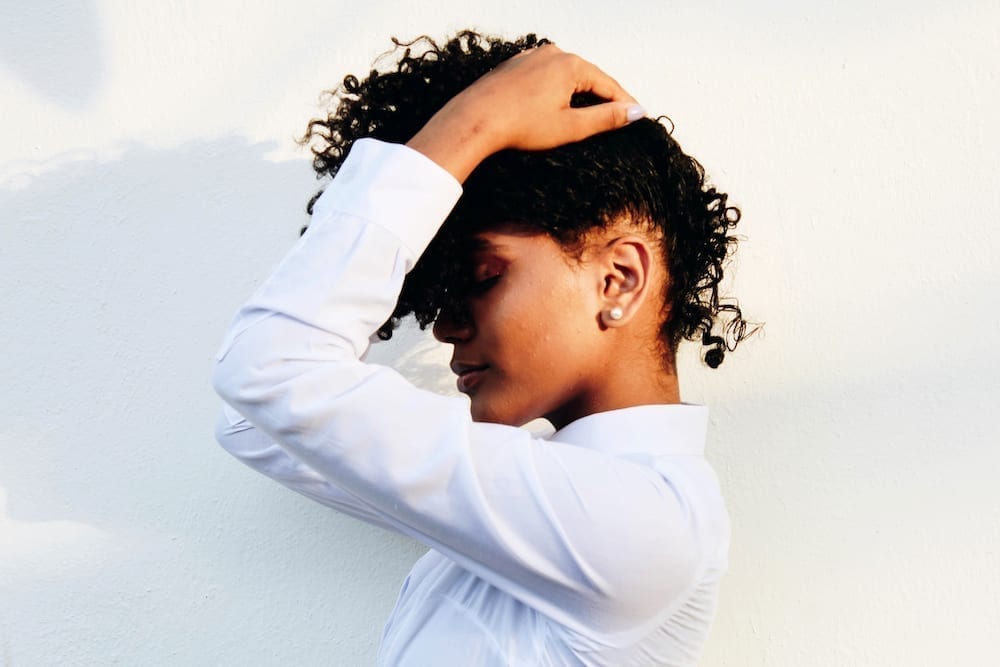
(576, 258)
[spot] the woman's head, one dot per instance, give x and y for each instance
(556, 332)
(633, 180)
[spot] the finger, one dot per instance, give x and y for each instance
(593, 79)
(598, 118)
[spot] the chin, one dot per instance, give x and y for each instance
(483, 412)
(486, 417)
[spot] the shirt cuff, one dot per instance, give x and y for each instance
(395, 187)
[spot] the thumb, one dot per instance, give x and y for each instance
(606, 116)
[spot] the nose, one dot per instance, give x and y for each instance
(450, 327)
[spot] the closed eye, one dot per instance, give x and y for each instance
(483, 286)
(486, 273)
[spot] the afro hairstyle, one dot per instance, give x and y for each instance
(638, 171)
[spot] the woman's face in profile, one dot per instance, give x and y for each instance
(530, 347)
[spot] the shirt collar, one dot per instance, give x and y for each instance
(656, 429)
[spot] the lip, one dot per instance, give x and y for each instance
(469, 375)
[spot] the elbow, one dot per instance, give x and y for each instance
(233, 377)
(226, 382)
(246, 363)
(237, 384)
(226, 379)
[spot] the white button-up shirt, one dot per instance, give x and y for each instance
(602, 544)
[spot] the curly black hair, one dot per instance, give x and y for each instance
(638, 171)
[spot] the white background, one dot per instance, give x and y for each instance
(149, 179)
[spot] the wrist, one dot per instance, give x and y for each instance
(457, 138)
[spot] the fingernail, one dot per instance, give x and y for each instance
(634, 113)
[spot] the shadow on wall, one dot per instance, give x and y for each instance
(121, 277)
(115, 268)
(55, 48)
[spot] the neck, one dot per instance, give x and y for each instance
(623, 385)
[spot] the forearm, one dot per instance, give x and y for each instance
(456, 139)
(524, 104)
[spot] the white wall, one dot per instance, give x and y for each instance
(148, 180)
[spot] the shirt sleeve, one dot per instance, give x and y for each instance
(251, 446)
(600, 544)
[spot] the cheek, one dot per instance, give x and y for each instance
(537, 318)
(570, 307)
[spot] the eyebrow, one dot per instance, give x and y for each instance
(478, 244)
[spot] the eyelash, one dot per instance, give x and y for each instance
(483, 286)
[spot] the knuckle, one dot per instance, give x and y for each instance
(571, 61)
(617, 116)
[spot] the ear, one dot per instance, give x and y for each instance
(625, 263)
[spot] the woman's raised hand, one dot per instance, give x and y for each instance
(524, 104)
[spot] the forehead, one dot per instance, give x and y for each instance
(508, 238)
(517, 239)
(521, 247)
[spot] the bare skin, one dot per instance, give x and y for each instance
(542, 340)
(522, 104)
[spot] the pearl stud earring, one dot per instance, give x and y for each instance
(615, 314)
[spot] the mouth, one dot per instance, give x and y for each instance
(469, 375)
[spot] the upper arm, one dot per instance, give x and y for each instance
(594, 541)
